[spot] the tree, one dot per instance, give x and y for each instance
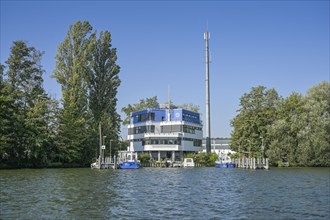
(72, 61)
(190, 107)
(87, 71)
(284, 131)
(258, 111)
(103, 82)
(314, 139)
(23, 123)
(2, 69)
(300, 135)
(151, 102)
(144, 158)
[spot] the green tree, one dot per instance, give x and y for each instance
(2, 69)
(314, 139)
(72, 61)
(103, 82)
(190, 107)
(7, 119)
(284, 131)
(151, 102)
(144, 157)
(203, 158)
(87, 71)
(23, 119)
(300, 135)
(258, 110)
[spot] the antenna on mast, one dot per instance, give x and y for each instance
(168, 96)
(169, 104)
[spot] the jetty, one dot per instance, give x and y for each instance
(105, 163)
(252, 163)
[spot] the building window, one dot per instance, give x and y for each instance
(162, 141)
(141, 129)
(190, 129)
(170, 128)
(196, 142)
(145, 117)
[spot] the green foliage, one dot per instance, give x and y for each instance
(144, 157)
(314, 139)
(25, 119)
(190, 106)
(35, 131)
(203, 158)
(151, 102)
(301, 133)
(284, 131)
(87, 71)
(71, 72)
(233, 156)
(103, 82)
(294, 130)
(212, 157)
(258, 111)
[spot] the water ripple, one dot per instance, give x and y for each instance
(155, 193)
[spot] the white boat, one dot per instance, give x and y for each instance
(95, 165)
(188, 162)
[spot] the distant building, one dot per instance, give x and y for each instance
(220, 146)
(165, 133)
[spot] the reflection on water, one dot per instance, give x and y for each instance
(155, 193)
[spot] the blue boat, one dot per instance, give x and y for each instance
(129, 165)
(225, 165)
(220, 165)
(128, 160)
(224, 161)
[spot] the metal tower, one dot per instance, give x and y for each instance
(208, 116)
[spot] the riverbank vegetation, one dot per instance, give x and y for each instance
(39, 131)
(294, 130)
(203, 159)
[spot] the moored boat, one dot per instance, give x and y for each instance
(129, 160)
(129, 165)
(224, 165)
(188, 162)
(224, 161)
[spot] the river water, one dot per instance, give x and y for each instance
(165, 193)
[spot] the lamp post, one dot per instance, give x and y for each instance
(121, 153)
(262, 146)
(104, 140)
(103, 147)
(110, 149)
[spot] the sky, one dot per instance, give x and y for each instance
(277, 44)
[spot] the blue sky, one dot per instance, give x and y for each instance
(278, 44)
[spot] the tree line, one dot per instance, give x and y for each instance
(39, 131)
(295, 129)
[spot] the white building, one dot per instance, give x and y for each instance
(165, 133)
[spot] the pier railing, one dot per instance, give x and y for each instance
(252, 163)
